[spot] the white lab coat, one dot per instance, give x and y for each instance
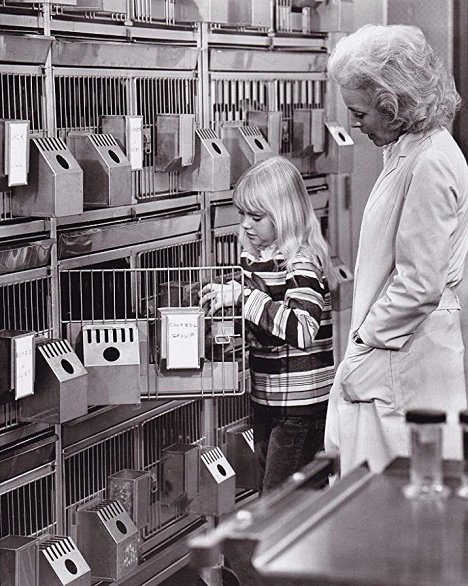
(412, 248)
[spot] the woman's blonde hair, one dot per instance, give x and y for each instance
(275, 188)
(397, 68)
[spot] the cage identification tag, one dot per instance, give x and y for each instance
(183, 335)
(134, 129)
(22, 358)
(17, 152)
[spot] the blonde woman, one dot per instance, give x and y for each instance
(405, 349)
(287, 307)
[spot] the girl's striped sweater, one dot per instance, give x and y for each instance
(289, 330)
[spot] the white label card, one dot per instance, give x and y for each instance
(182, 340)
(23, 366)
(134, 140)
(17, 152)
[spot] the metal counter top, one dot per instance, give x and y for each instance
(374, 537)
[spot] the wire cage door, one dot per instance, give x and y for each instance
(151, 318)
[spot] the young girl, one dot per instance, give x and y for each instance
(286, 266)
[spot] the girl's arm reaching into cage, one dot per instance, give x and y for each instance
(295, 319)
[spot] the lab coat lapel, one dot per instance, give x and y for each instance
(378, 189)
(407, 144)
(385, 191)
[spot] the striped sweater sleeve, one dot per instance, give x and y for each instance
(296, 318)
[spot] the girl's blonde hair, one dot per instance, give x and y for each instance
(275, 188)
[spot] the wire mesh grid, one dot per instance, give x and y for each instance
(29, 509)
(185, 352)
(157, 96)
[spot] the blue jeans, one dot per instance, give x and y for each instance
(284, 444)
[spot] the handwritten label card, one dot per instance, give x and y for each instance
(134, 141)
(182, 340)
(17, 152)
(23, 365)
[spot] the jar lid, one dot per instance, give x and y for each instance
(463, 416)
(426, 416)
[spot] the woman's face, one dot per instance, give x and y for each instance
(258, 228)
(365, 116)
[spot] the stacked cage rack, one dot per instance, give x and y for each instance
(178, 97)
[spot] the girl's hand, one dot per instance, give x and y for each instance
(217, 295)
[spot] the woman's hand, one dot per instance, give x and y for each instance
(219, 295)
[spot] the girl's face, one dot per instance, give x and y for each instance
(366, 117)
(258, 228)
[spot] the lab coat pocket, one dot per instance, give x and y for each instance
(366, 376)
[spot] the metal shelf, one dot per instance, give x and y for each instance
(167, 203)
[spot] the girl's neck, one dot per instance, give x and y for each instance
(267, 252)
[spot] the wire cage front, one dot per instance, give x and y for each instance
(23, 96)
(135, 445)
(28, 508)
(84, 97)
(25, 301)
(180, 350)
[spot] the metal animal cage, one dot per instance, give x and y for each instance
(235, 95)
(232, 410)
(86, 470)
(185, 352)
(26, 301)
(27, 506)
(260, 89)
(26, 304)
(182, 425)
(22, 90)
(23, 93)
(139, 445)
(83, 99)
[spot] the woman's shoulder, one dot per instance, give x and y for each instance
(442, 144)
(440, 152)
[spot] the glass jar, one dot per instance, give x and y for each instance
(463, 488)
(426, 478)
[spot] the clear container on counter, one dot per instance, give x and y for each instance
(426, 433)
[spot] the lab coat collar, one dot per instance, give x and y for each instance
(406, 145)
